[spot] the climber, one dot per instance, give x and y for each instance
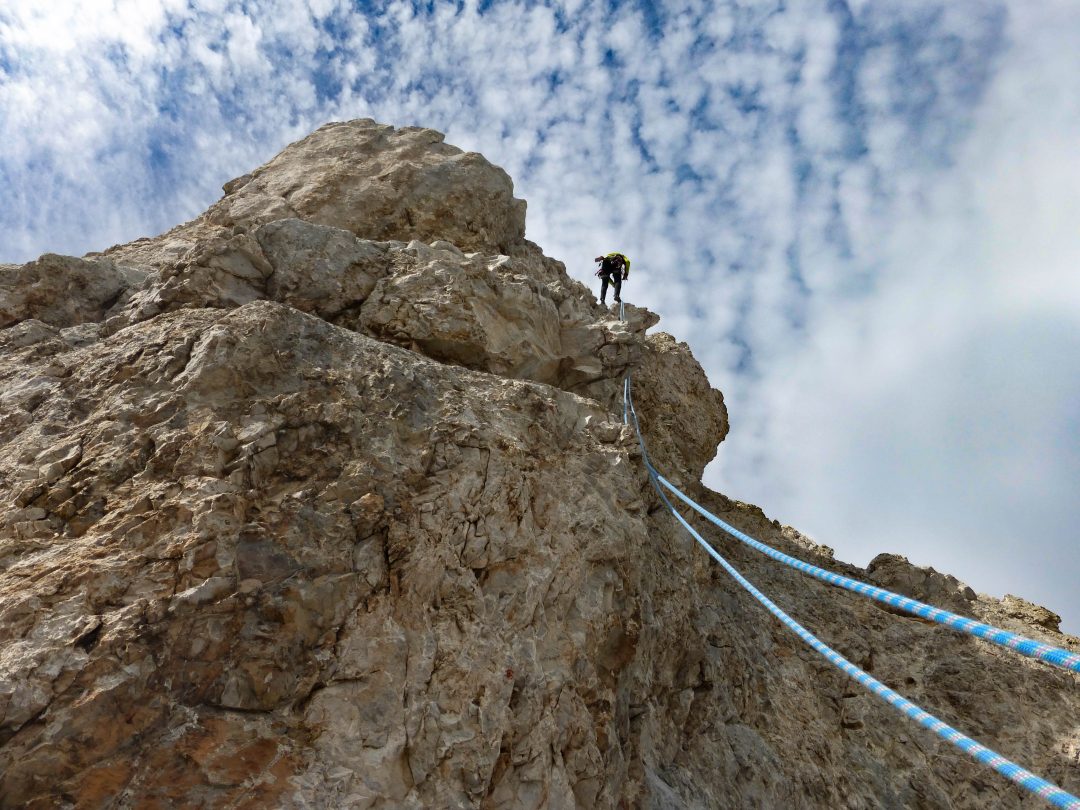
(614, 269)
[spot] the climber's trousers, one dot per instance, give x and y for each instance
(616, 282)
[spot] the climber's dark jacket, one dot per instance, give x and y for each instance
(614, 269)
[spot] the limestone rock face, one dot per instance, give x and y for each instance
(382, 183)
(370, 179)
(325, 499)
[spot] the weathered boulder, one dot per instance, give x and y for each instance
(62, 290)
(925, 584)
(1031, 614)
(318, 269)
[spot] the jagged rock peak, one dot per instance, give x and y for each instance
(382, 183)
(377, 182)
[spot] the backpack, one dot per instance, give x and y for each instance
(613, 265)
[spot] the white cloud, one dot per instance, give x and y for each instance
(937, 416)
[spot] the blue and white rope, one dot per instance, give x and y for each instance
(1021, 776)
(1025, 646)
(626, 380)
(987, 632)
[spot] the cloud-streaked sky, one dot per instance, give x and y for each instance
(863, 217)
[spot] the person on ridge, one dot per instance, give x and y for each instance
(614, 269)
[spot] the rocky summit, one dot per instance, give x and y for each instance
(324, 499)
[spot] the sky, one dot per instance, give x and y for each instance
(863, 217)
